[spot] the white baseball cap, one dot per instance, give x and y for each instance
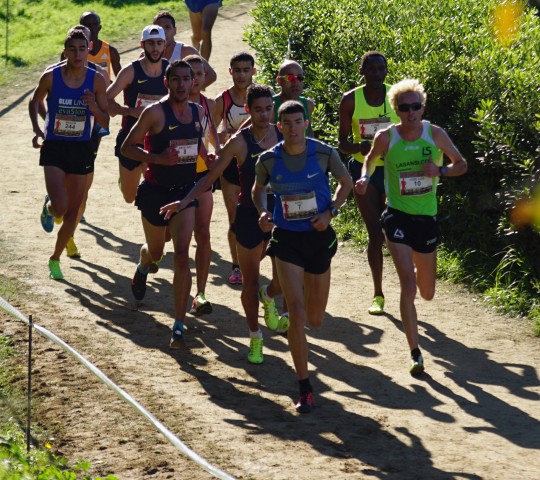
(151, 32)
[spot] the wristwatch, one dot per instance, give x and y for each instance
(443, 170)
(333, 211)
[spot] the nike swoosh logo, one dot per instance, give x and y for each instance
(256, 155)
(142, 81)
(172, 127)
(311, 175)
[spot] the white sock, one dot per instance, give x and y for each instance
(264, 295)
(257, 334)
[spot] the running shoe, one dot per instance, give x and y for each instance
(283, 324)
(417, 365)
(200, 305)
(255, 354)
(236, 277)
(305, 403)
(54, 270)
(47, 221)
(177, 340)
(71, 249)
(377, 306)
(58, 220)
(138, 284)
(271, 315)
(83, 219)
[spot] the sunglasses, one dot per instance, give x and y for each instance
(407, 107)
(292, 78)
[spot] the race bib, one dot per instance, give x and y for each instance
(414, 183)
(299, 207)
(69, 125)
(145, 99)
(370, 126)
(187, 150)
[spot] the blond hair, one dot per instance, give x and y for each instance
(406, 86)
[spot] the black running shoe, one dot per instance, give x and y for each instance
(138, 284)
(305, 403)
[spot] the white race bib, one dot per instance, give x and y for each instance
(69, 125)
(299, 207)
(187, 150)
(414, 183)
(145, 99)
(370, 126)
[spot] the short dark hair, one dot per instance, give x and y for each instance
(242, 57)
(75, 34)
(164, 14)
(90, 13)
(177, 64)
(369, 55)
(291, 106)
(255, 91)
(193, 58)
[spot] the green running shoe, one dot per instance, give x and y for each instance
(255, 354)
(54, 270)
(271, 315)
(377, 306)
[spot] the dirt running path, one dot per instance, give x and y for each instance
(474, 415)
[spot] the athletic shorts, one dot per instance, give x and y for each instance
(150, 198)
(313, 250)
(377, 179)
(197, 6)
(126, 162)
(420, 232)
(246, 227)
(76, 158)
(231, 172)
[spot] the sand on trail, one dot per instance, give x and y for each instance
(474, 414)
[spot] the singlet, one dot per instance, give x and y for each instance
(102, 57)
(233, 115)
(205, 122)
(177, 52)
(143, 91)
(302, 100)
(186, 138)
(406, 187)
(367, 120)
(302, 195)
(246, 170)
(68, 118)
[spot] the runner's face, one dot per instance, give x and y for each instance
(198, 77)
(92, 23)
(291, 90)
(411, 117)
(170, 30)
(293, 128)
(76, 52)
(262, 112)
(179, 84)
(242, 74)
(153, 49)
(374, 71)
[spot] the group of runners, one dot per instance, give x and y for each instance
(175, 144)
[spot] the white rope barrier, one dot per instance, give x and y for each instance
(174, 440)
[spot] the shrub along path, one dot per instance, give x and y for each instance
(475, 414)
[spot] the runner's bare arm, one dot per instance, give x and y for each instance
(458, 165)
(41, 91)
(124, 78)
(346, 110)
(115, 60)
(378, 148)
(97, 101)
(311, 107)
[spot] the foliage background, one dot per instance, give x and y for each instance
(482, 88)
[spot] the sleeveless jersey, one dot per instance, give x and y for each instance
(407, 189)
(246, 171)
(143, 91)
(177, 52)
(367, 120)
(302, 195)
(301, 99)
(186, 138)
(68, 118)
(233, 115)
(206, 121)
(102, 57)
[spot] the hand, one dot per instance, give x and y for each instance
(430, 169)
(321, 221)
(360, 186)
(168, 157)
(365, 147)
(210, 160)
(89, 99)
(170, 209)
(266, 222)
(35, 141)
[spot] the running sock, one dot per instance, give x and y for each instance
(415, 353)
(235, 265)
(141, 270)
(265, 295)
(257, 334)
(305, 386)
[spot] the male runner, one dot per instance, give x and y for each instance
(172, 133)
(101, 52)
(230, 109)
(363, 111)
(413, 163)
(75, 97)
(177, 50)
(202, 15)
(251, 240)
(142, 84)
(303, 243)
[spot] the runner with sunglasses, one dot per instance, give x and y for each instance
(413, 164)
(363, 111)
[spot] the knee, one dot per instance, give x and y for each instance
(181, 257)
(427, 293)
(202, 235)
(155, 253)
(408, 290)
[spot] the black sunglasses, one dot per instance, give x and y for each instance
(292, 78)
(407, 107)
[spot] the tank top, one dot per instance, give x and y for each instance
(102, 57)
(177, 52)
(367, 120)
(299, 195)
(186, 138)
(206, 122)
(407, 189)
(143, 91)
(68, 118)
(302, 100)
(246, 170)
(233, 115)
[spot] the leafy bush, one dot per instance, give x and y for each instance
(484, 93)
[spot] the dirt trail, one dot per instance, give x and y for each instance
(475, 414)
